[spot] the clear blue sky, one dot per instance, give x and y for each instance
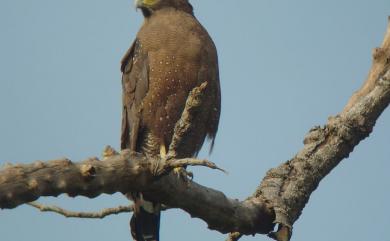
(285, 67)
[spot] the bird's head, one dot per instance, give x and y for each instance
(148, 7)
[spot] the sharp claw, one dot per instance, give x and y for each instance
(183, 174)
(190, 175)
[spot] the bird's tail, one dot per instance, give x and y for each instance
(145, 222)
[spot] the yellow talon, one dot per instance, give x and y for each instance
(180, 172)
(183, 173)
(177, 170)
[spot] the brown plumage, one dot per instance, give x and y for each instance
(171, 55)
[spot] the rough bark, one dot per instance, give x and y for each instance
(130, 172)
(279, 199)
(288, 187)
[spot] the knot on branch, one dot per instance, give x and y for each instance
(351, 129)
(88, 171)
(108, 152)
(315, 135)
(385, 79)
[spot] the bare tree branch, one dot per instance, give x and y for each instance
(126, 172)
(288, 187)
(129, 172)
(71, 214)
(279, 199)
(183, 126)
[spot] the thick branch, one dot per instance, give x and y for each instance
(289, 186)
(183, 126)
(124, 173)
(127, 172)
(280, 197)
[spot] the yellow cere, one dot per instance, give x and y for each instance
(150, 2)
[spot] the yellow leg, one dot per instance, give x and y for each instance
(163, 151)
(179, 171)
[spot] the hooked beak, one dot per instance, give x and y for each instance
(138, 3)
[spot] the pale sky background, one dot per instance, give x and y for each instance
(285, 67)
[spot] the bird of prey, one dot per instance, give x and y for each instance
(172, 54)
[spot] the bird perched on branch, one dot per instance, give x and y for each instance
(171, 55)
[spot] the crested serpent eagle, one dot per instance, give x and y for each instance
(171, 55)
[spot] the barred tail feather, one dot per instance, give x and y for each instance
(145, 225)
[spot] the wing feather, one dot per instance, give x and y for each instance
(135, 84)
